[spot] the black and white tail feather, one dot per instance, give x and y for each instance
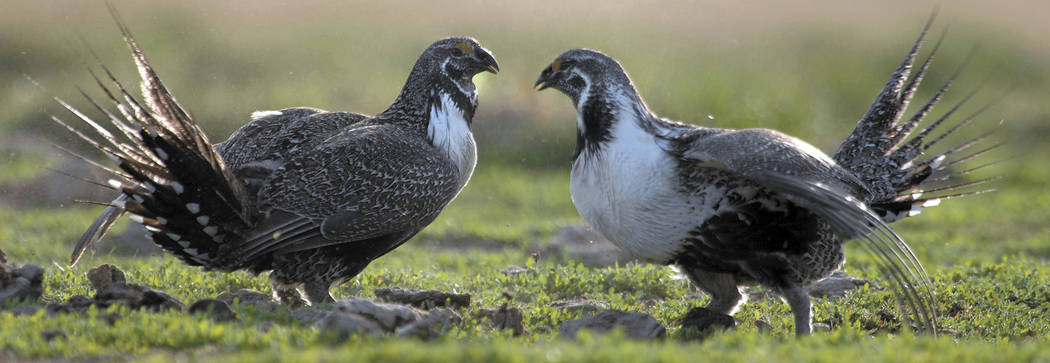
(171, 179)
(901, 179)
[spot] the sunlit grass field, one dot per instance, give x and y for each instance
(809, 73)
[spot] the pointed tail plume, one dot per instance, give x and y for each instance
(170, 178)
(896, 169)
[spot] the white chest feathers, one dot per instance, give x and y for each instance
(449, 133)
(626, 191)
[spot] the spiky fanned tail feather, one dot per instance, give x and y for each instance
(171, 179)
(880, 153)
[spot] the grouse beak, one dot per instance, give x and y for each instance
(488, 60)
(541, 81)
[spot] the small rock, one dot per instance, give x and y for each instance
(307, 315)
(505, 318)
(699, 323)
(257, 299)
(341, 325)
(436, 323)
(218, 310)
(836, 285)
(514, 270)
(25, 283)
(105, 277)
(423, 298)
(136, 297)
(587, 306)
(635, 325)
(388, 316)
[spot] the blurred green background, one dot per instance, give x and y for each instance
(808, 68)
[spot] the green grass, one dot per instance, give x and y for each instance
(989, 255)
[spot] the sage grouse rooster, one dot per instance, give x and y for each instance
(312, 195)
(738, 207)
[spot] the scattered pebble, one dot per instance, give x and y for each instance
(505, 318)
(634, 325)
(436, 323)
(105, 277)
(514, 270)
(341, 325)
(247, 297)
(699, 323)
(21, 283)
(587, 306)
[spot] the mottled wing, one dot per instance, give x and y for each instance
(366, 182)
(260, 147)
(809, 179)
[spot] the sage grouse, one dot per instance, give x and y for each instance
(312, 195)
(730, 208)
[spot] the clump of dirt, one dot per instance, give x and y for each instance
(425, 299)
(20, 283)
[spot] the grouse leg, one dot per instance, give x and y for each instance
(798, 299)
(317, 292)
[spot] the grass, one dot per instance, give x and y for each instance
(989, 254)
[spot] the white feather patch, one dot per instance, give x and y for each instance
(211, 230)
(260, 114)
(449, 132)
(178, 187)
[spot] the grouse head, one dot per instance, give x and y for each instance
(580, 73)
(446, 67)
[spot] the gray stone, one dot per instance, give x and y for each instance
(341, 325)
(634, 325)
(425, 299)
(132, 295)
(105, 277)
(836, 285)
(21, 283)
(247, 297)
(505, 318)
(388, 316)
(218, 310)
(436, 323)
(309, 315)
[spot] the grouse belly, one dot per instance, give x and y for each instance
(629, 193)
